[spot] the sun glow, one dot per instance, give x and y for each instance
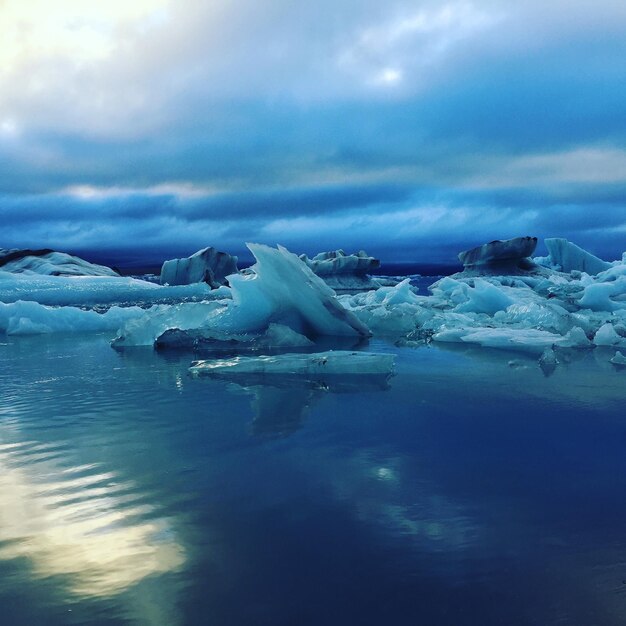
(33, 31)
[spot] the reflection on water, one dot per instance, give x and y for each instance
(469, 489)
(79, 522)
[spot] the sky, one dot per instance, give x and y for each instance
(142, 130)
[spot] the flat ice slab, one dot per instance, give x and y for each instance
(331, 363)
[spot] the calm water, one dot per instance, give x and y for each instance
(472, 490)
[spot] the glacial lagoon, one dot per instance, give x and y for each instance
(469, 489)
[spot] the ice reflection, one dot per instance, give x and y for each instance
(81, 522)
(280, 407)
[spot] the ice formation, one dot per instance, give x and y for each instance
(205, 266)
(508, 256)
(528, 311)
(566, 256)
(281, 303)
(349, 272)
(319, 364)
(93, 290)
(31, 318)
(281, 289)
(50, 263)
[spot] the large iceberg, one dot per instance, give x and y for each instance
(50, 263)
(280, 289)
(208, 266)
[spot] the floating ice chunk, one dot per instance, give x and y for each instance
(606, 336)
(618, 359)
(567, 256)
(93, 290)
(521, 339)
(205, 266)
(329, 363)
(575, 338)
(31, 318)
(597, 297)
(281, 289)
(51, 263)
(484, 298)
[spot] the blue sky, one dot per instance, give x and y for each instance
(147, 129)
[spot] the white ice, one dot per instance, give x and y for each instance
(319, 364)
(32, 318)
(566, 256)
(93, 290)
(532, 311)
(280, 289)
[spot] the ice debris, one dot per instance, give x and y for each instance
(208, 266)
(50, 263)
(528, 310)
(331, 363)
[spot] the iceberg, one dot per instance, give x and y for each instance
(331, 363)
(280, 289)
(205, 266)
(607, 336)
(567, 257)
(49, 263)
(508, 256)
(347, 272)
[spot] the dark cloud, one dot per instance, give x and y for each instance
(411, 129)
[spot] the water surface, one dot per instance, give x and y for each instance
(470, 490)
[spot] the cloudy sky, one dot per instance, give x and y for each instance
(142, 129)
